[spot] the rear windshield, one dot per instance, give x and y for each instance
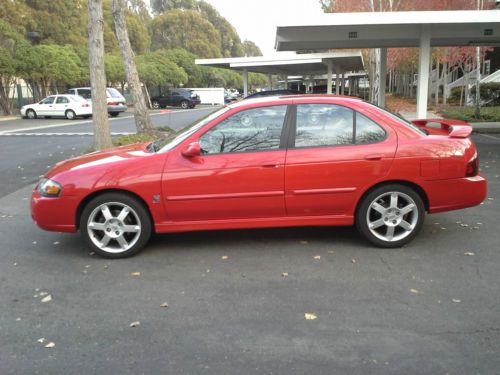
(400, 119)
(114, 93)
(76, 98)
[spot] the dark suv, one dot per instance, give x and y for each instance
(183, 98)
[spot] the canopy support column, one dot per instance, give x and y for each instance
(329, 77)
(382, 74)
(423, 72)
(286, 82)
(245, 83)
(270, 81)
(337, 80)
(342, 84)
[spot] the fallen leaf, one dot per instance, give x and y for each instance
(56, 242)
(136, 274)
(91, 253)
(164, 304)
(43, 294)
(310, 316)
(224, 257)
(330, 251)
(469, 253)
(456, 300)
(50, 345)
(464, 225)
(135, 324)
(34, 242)
(15, 264)
(304, 242)
(105, 266)
(41, 340)
(284, 274)
(353, 260)
(317, 257)
(415, 291)
(47, 298)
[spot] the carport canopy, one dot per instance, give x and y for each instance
(392, 30)
(292, 65)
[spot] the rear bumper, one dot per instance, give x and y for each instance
(117, 108)
(455, 194)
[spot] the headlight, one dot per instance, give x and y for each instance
(49, 188)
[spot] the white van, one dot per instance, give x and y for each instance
(116, 101)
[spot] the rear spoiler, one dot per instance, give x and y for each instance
(450, 127)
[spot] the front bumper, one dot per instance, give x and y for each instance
(54, 214)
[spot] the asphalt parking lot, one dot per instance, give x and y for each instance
(237, 299)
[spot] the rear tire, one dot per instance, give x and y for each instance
(155, 105)
(70, 114)
(390, 216)
(114, 114)
(184, 104)
(115, 225)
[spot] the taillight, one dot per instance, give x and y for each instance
(85, 105)
(114, 103)
(472, 166)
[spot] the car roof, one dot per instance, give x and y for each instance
(301, 98)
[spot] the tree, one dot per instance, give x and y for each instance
(156, 69)
(251, 49)
(115, 70)
(141, 115)
(102, 137)
(185, 60)
(185, 29)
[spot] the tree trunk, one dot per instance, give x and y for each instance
(142, 120)
(102, 137)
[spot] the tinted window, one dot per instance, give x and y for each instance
(256, 129)
(62, 100)
(48, 100)
(323, 125)
(367, 131)
(175, 93)
(85, 93)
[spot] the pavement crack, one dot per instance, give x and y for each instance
(385, 262)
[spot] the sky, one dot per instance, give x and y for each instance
(256, 20)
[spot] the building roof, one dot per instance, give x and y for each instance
(290, 64)
(390, 29)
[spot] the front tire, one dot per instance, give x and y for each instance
(390, 216)
(70, 114)
(184, 104)
(155, 105)
(114, 114)
(115, 225)
(31, 114)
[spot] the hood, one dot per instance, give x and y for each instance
(104, 157)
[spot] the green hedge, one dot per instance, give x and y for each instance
(488, 114)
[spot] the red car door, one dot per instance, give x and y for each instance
(239, 174)
(334, 153)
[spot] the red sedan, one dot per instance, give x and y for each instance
(311, 160)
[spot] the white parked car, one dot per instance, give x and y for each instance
(69, 106)
(116, 101)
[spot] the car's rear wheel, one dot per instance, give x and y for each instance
(184, 104)
(70, 114)
(31, 114)
(155, 104)
(114, 114)
(115, 225)
(390, 215)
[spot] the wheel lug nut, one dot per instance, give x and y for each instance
(108, 230)
(117, 233)
(394, 221)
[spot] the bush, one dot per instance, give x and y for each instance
(133, 138)
(490, 94)
(488, 114)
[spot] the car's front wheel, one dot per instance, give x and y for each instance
(390, 216)
(31, 114)
(115, 225)
(184, 104)
(114, 114)
(155, 104)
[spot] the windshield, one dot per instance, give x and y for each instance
(172, 140)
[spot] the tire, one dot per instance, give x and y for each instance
(110, 235)
(31, 114)
(184, 104)
(70, 114)
(155, 105)
(390, 216)
(114, 114)
(87, 116)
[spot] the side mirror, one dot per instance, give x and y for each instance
(193, 149)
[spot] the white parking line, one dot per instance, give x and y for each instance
(41, 127)
(490, 136)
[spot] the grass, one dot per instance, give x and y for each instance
(133, 138)
(488, 114)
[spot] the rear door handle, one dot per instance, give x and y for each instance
(374, 157)
(271, 165)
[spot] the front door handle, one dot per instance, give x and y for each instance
(374, 157)
(271, 165)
